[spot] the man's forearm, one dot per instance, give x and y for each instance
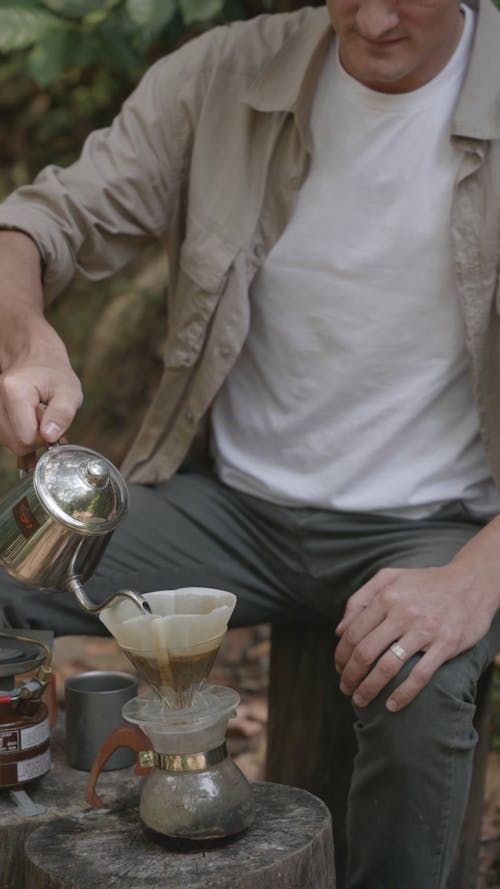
(21, 295)
(479, 560)
(34, 363)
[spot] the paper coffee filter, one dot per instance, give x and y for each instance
(194, 601)
(126, 625)
(181, 620)
(174, 647)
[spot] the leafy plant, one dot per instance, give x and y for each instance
(62, 35)
(67, 65)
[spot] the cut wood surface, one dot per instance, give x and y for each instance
(289, 846)
(61, 792)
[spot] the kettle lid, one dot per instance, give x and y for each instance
(81, 489)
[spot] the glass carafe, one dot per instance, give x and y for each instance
(192, 790)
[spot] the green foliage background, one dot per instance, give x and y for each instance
(66, 66)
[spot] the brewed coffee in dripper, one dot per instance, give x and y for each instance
(173, 648)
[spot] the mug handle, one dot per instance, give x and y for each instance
(123, 736)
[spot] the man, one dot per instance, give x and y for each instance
(330, 199)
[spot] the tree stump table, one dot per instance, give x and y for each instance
(289, 846)
(59, 793)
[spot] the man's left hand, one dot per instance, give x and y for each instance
(438, 612)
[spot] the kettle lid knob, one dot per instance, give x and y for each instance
(95, 472)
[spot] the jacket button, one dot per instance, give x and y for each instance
(189, 415)
(259, 251)
(225, 350)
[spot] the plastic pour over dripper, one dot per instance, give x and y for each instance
(174, 647)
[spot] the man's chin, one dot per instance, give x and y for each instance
(385, 77)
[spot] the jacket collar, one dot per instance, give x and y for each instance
(477, 114)
(288, 81)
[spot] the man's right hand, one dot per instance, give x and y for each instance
(43, 377)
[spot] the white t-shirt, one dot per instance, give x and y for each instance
(353, 389)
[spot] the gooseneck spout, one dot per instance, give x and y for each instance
(74, 586)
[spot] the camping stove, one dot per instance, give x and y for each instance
(24, 719)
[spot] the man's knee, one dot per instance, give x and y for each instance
(441, 715)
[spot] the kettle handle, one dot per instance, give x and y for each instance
(27, 462)
(123, 736)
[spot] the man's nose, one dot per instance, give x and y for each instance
(375, 18)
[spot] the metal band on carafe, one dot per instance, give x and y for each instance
(183, 762)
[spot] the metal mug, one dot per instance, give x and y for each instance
(94, 702)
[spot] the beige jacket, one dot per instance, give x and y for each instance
(208, 155)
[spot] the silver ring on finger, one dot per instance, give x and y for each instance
(399, 651)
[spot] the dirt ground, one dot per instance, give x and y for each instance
(243, 664)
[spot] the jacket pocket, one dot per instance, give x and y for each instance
(204, 264)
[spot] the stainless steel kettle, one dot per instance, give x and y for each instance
(55, 524)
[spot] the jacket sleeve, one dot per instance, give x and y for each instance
(91, 218)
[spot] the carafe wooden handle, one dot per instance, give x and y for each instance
(123, 736)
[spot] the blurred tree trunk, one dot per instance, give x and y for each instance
(123, 364)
